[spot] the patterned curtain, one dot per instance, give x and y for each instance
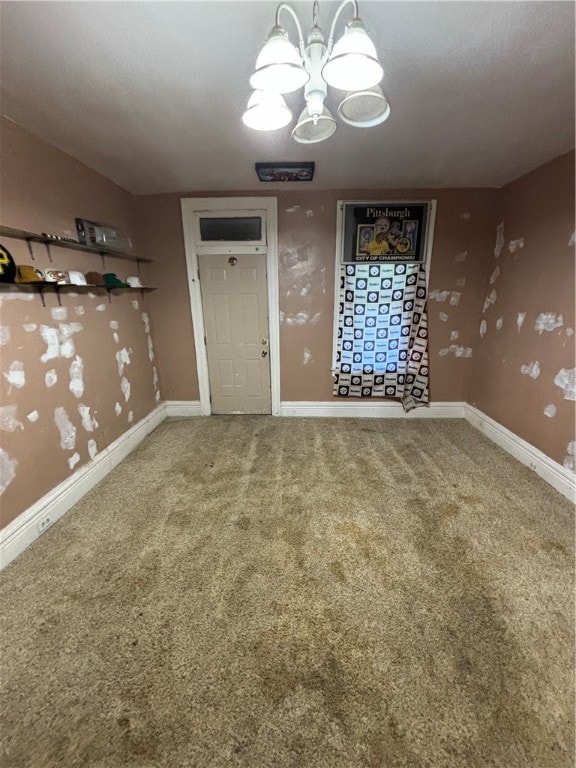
(382, 342)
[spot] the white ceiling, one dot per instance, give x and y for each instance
(151, 93)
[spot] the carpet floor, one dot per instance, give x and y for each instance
(297, 593)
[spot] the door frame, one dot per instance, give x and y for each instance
(192, 208)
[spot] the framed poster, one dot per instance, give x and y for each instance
(384, 232)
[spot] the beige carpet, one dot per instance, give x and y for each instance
(251, 591)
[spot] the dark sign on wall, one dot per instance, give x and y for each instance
(383, 232)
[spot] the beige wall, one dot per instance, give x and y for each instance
(307, 239)
(43, 190)
(529, 333)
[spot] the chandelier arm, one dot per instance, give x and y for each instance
(287, 7)
(341, 7)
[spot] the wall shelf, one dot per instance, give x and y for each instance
(34, 237)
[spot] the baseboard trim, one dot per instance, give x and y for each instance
(27, 527)
(376, 410)
(560, 478)
(183, 408)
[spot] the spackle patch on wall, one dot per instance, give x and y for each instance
(532, 369)
(50, 378)
(8, 420)
(550, 410)
(443, 316)
(125, 387)
(572, 240)
(299, 319)
(116, 337)
(455, 298)
(566, 380)
(29, 327)
(117, 409)
(499, 240)
(495, 275)
(76, 385)
(146, 321)
(92, 448)
(113, 325)
(59, 313)
(440, 296)
(88, 421)
(483, 328)
(454, 335)
(5, 335)
(489, 300)
(16, 375)
(520, 320)
(50, 338)
(67, 429)
(307, 357)
(130, 417)
(79, 310)
(515, 245)
(59, 342)
(101, 308)
(548, 321)
(460, 257)
(456, 350)
(7, 470)
(14, 296)
(569, 331)
(150, 349)
(461, 282)
(135, 304)
(465, 215)
(122, 359)
(570, 458)
(73, 460)
(499, 323)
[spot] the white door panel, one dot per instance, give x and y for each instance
(234, 297)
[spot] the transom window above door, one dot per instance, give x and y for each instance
(247, 227)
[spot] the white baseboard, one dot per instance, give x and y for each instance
(374, 410)
(560, 478)
(183, 408)
(27, 527)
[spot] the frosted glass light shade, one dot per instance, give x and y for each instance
(279, 67)
(353, 64)
(364, 109)
(307, 131)
(266, 112)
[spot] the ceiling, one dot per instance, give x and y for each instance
(151, 94)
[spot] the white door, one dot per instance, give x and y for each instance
(234, 299)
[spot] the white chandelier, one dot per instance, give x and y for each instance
(350, 65)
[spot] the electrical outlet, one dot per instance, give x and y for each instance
(44, 523)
